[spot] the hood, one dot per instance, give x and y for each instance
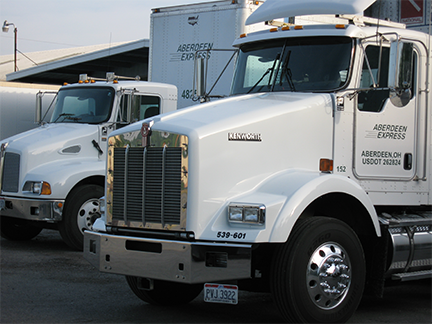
(53, 142)
(237, 143)
(240, 112)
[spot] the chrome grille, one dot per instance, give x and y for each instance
(10, 176)
(147, 186)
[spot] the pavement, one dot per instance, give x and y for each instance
(43, 281)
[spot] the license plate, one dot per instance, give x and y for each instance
(217, 293)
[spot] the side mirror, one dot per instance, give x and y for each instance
(200, 77)
(401, 72)
(38, 115)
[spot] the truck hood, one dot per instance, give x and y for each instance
(245, 113)
(237, 144)
(51, 137)
(52, 142)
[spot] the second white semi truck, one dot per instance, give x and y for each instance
(53, 176)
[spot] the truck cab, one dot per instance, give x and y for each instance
(53, 176)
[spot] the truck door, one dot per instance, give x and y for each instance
(385, 135)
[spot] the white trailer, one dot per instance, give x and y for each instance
(53, 176)
(178, 32)
(17, 106)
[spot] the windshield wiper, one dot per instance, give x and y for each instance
(75, 119)
(65, 115)
(286, 71)
(258, 82)
(265, 73)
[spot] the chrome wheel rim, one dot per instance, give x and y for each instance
(87, 214)
(328, 276)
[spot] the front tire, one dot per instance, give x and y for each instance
(165, 293)
(15, 229)
(80, 212)
(318, 276)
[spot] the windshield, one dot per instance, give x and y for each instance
(90, 105)
(294, 64)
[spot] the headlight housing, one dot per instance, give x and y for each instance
(37, 187)
(246, 213)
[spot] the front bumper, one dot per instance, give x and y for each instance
(32, 209)
(178, 261)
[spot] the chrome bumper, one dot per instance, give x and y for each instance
(186, 262)
(32, 209)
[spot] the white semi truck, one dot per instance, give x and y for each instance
(53, 176)
(312, 181)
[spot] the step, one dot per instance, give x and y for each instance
(406, 276)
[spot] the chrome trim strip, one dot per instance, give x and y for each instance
(143, 184)
(163, 186)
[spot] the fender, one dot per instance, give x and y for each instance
(307, 187)
(286, 196)
(63, 175)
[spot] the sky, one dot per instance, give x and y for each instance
(54, 24)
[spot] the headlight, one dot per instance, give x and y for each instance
(247, 214)
(37, 187)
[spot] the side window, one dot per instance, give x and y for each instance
(123, 111)
(137, 107)
(144, 107)
(372, 71)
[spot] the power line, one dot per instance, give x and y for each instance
(41, 41)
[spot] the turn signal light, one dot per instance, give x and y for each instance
(46, 188)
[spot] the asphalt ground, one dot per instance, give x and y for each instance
(43, 281)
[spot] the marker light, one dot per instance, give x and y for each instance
(273, 30)
(326, 165)
(298, 27)
(340, 26)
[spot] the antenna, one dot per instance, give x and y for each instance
(379, 17)
(109, 53)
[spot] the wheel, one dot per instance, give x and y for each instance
(318, 276)
(15, 229)
(165, 293)
(80, 212)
